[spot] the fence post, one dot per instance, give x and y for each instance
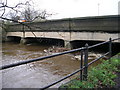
(85, 63)
(110, 48)
(81, 65)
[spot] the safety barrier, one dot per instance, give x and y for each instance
(83, 68)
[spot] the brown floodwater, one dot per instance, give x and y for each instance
(37, 74)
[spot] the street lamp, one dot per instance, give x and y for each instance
(98, 9)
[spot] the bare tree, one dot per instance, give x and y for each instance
(4, 7)
(30, 14)
(22, 11)
(13, 16)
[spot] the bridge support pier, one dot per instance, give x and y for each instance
(67, 44)
(119, 37)
(23, 41)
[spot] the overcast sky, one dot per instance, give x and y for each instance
(75, 8)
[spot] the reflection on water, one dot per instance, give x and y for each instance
(37, 74)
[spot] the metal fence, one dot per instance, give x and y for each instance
(83, 66)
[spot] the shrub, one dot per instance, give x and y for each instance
(102, 75)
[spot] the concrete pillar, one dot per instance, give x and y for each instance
(23, 41)
(2, 33)
(1, 37)
(67, 44)
(119, 37)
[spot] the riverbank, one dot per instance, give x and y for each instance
(104, 75)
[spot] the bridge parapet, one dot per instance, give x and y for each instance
(89, 24)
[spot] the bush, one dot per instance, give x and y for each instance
(101, 76)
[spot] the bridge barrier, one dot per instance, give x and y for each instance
(90, 24)
(83, 68)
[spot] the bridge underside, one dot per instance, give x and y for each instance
(66, 39)
(61, 43)
(37, 40)
(101, 49)
(67, 36)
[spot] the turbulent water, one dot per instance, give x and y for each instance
(37, 74)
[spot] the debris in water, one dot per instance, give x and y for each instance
(54, 49)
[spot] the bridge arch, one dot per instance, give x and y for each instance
(13, 39)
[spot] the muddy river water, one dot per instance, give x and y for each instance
(37, 74)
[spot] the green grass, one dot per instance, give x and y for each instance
(101, 76)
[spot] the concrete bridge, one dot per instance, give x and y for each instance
(98, 28)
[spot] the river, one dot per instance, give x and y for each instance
(37, 74)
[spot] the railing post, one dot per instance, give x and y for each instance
(85, 63)
(110, 48)
(81, 65)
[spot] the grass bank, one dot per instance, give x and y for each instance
(101, 76)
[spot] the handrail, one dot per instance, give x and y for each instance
(115, 39)
(50, 56)
(69, 75)
(39, 59)
(102, 43)
(62, 53)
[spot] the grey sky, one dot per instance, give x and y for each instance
(75, 8)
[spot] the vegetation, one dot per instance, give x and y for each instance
(23, 11)
(101, 76)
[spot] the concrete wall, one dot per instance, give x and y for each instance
(89, 24)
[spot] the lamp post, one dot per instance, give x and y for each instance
(98, 9)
